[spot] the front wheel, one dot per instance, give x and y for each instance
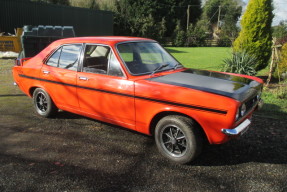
(43, 103)
(178, 138)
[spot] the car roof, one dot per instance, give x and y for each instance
(101, 39)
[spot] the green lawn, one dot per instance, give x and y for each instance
(210, 58)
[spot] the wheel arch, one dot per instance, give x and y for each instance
(32, 89)
(163, 114)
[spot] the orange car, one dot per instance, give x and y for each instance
(135, 83)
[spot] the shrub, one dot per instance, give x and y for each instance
(256, 35)
(282, 65)
(197, 34)
(179, 37)
(240, 62)
(224, 42)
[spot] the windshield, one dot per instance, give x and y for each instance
(145, 57)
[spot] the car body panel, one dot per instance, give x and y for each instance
(108, 97)
(62, 80)
(157, 98)
(238, 88)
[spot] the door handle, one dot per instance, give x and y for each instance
(84, 78)
(46, 72)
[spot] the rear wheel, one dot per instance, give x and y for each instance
(178, 138)
(43, 103)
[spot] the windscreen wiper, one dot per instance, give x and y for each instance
(159, 68)
(176, 65)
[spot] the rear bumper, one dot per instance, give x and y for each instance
(241, 128)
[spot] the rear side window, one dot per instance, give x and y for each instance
(54, 59)
(66, 57)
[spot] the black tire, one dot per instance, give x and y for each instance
(43, 104)
(178, 138)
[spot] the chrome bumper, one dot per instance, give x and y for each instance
(237, 130)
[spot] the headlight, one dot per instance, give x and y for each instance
(242, 109)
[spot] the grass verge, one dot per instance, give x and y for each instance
(201, 57)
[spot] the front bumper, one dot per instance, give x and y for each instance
(241, 128)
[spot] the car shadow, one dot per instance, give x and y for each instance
(13, 95)
(265, 142)
(170, 50)
(67, 115)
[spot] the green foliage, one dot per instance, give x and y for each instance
(197, 34)
(224, 41)
(241, 63)
(280, 30)
(281, 70)
(255, 37)
(57, 2)
(229, 9)
(282, 92)
(145, 17)
(230, 12)
(161, 31)
(275, 99)
(179, 38)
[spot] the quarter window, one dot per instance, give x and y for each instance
(114, 66)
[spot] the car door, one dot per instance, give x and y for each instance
(103, 90)
(60, 75)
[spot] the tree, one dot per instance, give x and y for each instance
(174, 10)
(198, 33)
(134, 17)
(255, 36)
(280, 33)
(227, 12)
(57, 2)
(179, 36)
(281, 70)
(280, 30)
(90, 4)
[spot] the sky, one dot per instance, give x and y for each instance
(280, 10)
